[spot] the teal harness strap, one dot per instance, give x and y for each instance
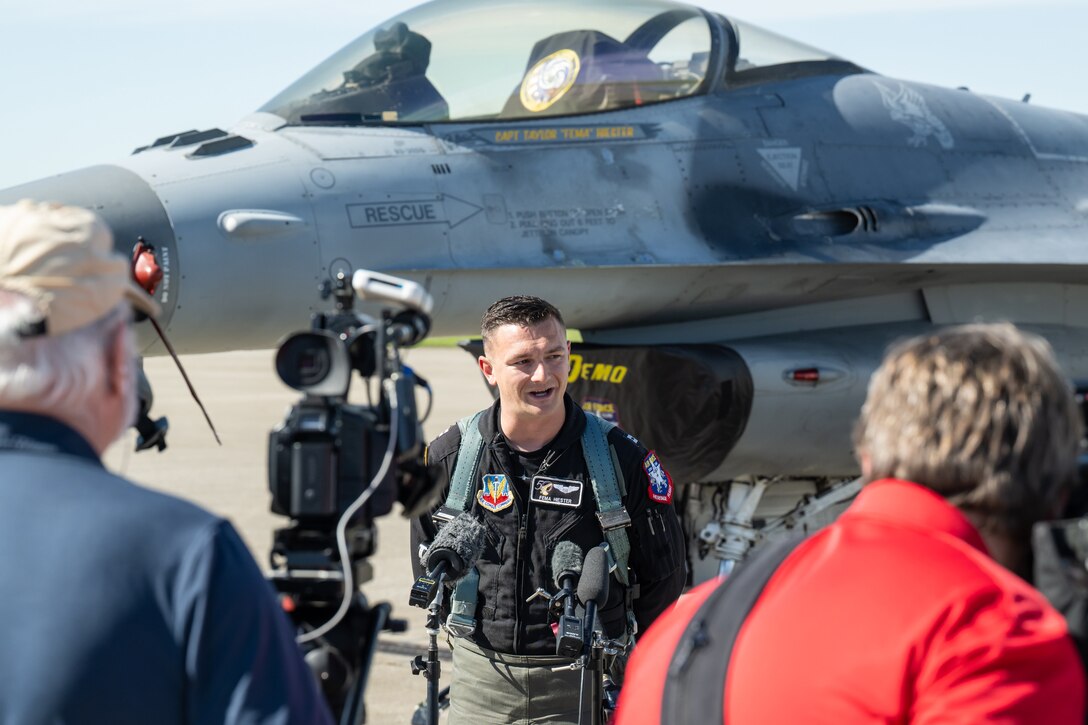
(461, 621)
(606, 489)
(468, 460)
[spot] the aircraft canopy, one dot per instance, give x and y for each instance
(494, 60)
(465, 60)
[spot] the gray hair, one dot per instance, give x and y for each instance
(56, 372)
(982, 415)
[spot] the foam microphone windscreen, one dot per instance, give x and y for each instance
(593, 586)
(567, 559)
(459, 544)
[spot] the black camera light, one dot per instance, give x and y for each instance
(316, 363)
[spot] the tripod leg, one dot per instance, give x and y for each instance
(590, 693)
(355, 705)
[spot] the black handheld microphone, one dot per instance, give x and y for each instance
(452, 553)
(593, 585)
(566, 567)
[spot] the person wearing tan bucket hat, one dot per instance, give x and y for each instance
(62, 258)
(117, 604)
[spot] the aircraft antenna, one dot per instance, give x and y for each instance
(147, 273)
(185, 376)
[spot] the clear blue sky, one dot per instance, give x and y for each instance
(85, 83)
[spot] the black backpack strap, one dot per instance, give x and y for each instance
(694, 687)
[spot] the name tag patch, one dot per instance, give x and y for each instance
(557, 491)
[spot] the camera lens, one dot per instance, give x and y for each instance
(313, 366)
(315, 363)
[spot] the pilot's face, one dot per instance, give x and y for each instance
(529, 365)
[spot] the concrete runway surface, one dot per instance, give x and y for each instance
(246, 399)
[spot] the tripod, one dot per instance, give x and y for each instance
(589, 693)
(341, 659)
(309, 590)
(431, 668)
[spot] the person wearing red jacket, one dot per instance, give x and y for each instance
(913, 607)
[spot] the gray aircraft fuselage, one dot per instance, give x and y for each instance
(804, 217)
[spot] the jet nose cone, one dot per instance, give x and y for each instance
(127, 203)
(118, 195)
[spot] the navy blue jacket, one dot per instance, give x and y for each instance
(123, 605)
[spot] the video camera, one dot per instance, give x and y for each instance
(334, 467)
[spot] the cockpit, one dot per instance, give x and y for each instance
(495, 60)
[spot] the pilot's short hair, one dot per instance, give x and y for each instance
(522, 310)
(982, 415)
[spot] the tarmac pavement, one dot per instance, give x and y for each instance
(245, 400)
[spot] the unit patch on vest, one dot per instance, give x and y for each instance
(556, 491)
(660, 484)
(495, 495)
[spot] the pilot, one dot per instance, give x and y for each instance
(531, 489)
(117, 604)
(911, 607)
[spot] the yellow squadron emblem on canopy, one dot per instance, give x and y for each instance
(548, 80)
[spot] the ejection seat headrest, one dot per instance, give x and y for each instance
(398, 53)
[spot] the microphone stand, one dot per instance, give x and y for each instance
(431, 667)
(592, 665)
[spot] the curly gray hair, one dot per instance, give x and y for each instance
(982, 415)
